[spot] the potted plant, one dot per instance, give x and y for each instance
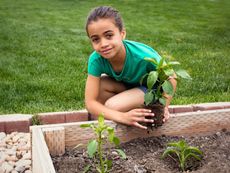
(158, 85)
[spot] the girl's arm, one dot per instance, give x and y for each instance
(169, 98)
(95, 107)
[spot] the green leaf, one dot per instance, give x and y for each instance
(92, 148)
(121, 153)
(152, 60)
(101, 120)
(168, 87)
(152, 78)
(161, 63)
(180, 144)
(116, 140)
(110, 134)
(143, 77)
(183, 144)
(174, 144)
(85, 125)
(170, 150)
(149, 97)
(194, 150)
(172, 63)
(183, 74)
(109, 165)
(169, 71)
(110, 129)
(162, 101)
(192, 155)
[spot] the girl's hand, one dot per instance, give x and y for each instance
(135, 116)
(166, 115)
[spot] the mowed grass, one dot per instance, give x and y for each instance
(44, 49)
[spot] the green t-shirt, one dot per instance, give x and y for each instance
(134, 68)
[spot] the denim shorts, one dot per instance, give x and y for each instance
(143, 88)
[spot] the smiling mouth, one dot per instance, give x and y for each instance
(106, 51)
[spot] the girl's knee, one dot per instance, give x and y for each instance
(110, 103)
(111, 85)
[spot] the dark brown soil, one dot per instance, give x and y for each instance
(158, 110)
(143, 156)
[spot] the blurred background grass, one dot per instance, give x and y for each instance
(44, 49)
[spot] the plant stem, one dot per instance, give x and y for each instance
(100, 153)
(182, 162)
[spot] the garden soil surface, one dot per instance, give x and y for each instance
(144, 156)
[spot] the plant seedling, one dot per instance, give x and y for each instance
(183, 152)
(158, 84)
(95, 146)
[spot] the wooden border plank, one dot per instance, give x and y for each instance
(55, 140)
(41, 160)
(191, 123)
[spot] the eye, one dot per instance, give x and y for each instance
(109, 36)
(95, 40)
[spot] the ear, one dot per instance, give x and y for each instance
(123, 34)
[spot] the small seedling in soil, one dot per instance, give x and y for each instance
(158, 85)
(182, 151)
(95, 147)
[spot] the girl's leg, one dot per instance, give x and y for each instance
(108, 88)
(115, 95)
(126, 100)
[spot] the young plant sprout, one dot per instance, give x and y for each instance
(183, 152)
(95, 146)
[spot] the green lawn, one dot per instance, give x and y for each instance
(44, 49)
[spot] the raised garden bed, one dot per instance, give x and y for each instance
(59, 139)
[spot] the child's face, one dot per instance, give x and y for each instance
(106, 38)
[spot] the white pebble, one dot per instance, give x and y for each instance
(11, 152)
(6, 167)
(27, 156)
(14, 171)
(3, 157)
(15, 138)
(2, 135)
(23, 163)
(20, 168)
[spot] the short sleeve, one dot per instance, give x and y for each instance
(94, 68)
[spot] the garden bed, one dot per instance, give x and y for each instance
(45, 140)
(144, 156)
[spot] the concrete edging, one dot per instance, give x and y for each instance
(21, 122)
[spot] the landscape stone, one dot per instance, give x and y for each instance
(15, 154)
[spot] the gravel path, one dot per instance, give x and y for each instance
(15, 153)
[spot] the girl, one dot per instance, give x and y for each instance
(115, 69)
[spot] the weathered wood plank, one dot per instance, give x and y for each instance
(55, 140)
(41, 160)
